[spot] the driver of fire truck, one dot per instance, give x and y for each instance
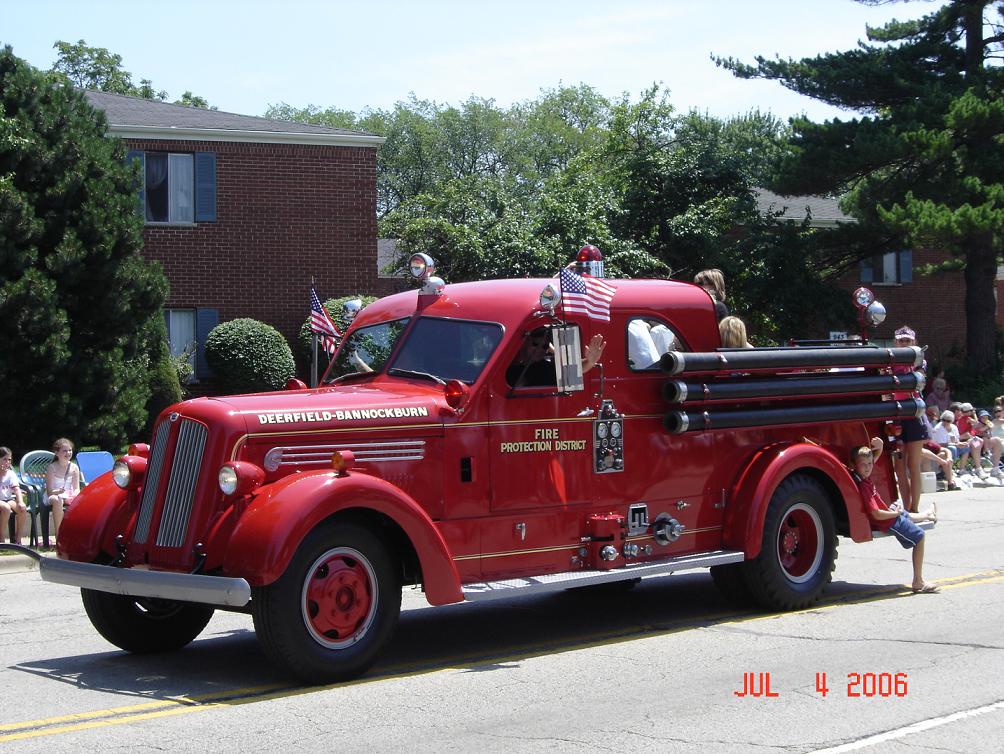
(534, 364)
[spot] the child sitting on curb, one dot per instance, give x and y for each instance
(890, 517)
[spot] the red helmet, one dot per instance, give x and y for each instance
(589, 261)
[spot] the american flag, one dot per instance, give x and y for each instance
(585, 295)
(321, 324)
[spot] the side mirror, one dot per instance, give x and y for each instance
(567, 358)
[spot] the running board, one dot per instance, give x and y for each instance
(552, 582)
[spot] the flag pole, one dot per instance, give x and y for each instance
(313, 348)
(313, 368)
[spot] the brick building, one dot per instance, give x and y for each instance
(243, 211)
(931, 304)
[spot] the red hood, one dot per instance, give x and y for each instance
(388, 403)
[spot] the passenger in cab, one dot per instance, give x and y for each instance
(534, 365)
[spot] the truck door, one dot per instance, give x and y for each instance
(540, 440)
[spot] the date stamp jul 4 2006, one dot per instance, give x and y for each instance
(867, 685)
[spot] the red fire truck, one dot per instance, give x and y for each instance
(437, 451)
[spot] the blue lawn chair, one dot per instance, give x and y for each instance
(93, 463)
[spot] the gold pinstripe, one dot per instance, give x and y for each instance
(459, 425)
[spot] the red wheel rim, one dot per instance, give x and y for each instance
(340, 595)
(800, 543)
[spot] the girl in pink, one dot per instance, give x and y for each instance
(62, 480)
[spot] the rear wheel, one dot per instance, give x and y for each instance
(144, 625)
(799, 548)
(335, 607)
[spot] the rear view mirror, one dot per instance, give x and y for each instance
(567, 358)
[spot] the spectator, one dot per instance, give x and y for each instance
(969, 432)
(914, 433)
(62, 481)
(713, 281)
(934, 453)
(11, 499)
(946, 434)
(997, 418)
(889, 518)
(733, 333)
(993, 438)
(939, 396)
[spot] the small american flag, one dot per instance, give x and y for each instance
(321, 324)
(585, 295)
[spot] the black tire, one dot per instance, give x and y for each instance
(799, 549)
(335, 607)
(143, 625)
(731, 582)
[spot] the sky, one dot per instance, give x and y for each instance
(244, 56)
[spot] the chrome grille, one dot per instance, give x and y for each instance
(304, 455)
(152, 482)
(181, 487)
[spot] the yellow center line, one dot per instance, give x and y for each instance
(203, 702)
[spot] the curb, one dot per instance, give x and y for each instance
(17, 564)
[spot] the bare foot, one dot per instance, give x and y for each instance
(932, 515)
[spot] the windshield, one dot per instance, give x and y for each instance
(367, 349)
(449, 349)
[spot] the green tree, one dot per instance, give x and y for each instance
(96, 68)
(80, 307)
(92, 68)
(428, 144)
(925, 162)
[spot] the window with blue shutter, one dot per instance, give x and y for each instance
(176, 188)
(867, 270)
(205, 320)
(906, 266)
(205, 187)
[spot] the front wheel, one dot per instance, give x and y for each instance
(143, 624)
(333, 609)
(799, 548)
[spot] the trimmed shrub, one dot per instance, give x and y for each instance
(249, 356)
(334, 309)
(164, 385)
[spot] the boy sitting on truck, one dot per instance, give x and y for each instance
(891, 517)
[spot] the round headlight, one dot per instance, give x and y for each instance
(228, 480)
(421, 266)
(549, 297)
(875, 313)
(120, 473)
(862, 298)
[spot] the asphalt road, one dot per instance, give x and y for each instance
(655, 669)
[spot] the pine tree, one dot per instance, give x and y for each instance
(80, 308)
(926, 162)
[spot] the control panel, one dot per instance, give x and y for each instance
(608, 439)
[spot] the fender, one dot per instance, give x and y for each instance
(95, 516)
(751, 494)
(278, 518)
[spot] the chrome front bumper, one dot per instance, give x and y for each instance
(133, 582)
